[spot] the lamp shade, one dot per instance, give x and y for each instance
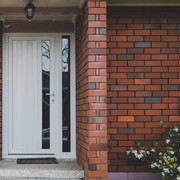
(29, 10)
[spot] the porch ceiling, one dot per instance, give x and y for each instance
(12, 10)
(143, 2)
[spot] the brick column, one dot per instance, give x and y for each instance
(1, 37)
(92, 89)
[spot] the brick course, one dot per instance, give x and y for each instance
(143, 79)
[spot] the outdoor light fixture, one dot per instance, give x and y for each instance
(29, 10)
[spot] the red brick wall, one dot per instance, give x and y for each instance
(92, 89)
(143, 79)
(1, 37)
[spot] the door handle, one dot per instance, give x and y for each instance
(49, 94)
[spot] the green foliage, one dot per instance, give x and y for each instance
(166, 159)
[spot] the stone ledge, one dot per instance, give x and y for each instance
(134, 176)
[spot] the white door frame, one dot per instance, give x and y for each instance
(58, 80)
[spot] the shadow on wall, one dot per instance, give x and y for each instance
(134, 176)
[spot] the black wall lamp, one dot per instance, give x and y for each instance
(29, 10)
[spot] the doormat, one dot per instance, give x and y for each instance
(37, 161)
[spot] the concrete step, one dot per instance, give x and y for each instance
(12, 178)
(63, 170)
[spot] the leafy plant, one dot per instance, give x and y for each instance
(166, 159)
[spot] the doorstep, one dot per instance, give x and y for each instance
(63, 170)
(12, 178)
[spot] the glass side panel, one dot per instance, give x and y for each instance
(45, 49)
(66, 136)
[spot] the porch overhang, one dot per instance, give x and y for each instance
(168, 3)
(51, 10)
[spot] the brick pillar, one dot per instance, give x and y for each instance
(1, 37)
(92, 89)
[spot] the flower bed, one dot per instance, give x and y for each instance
(166, 159)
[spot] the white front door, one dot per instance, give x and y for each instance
(31, 96)
(39, 96)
